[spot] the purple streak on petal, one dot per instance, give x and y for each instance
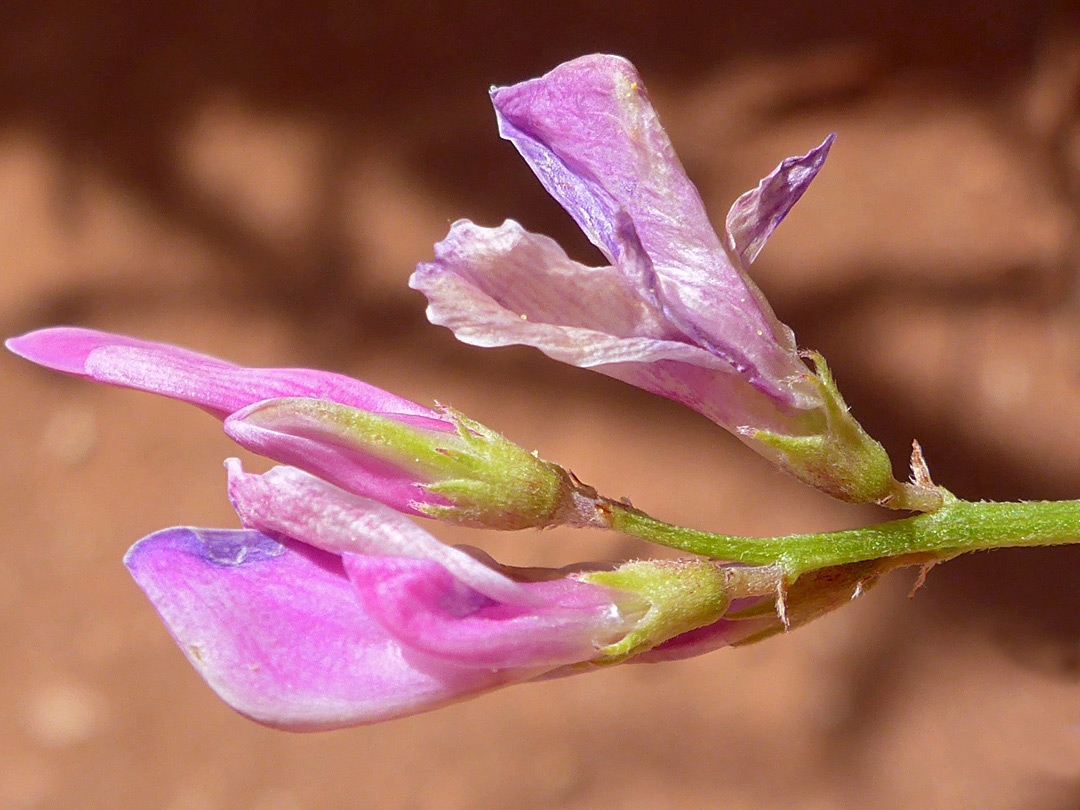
(423, 606)
(277, 631)
(593, 139)
(755, 215)
(590, 134)
(214, 385)
(272, 432)
(287, 501)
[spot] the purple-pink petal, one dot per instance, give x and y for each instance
(214, 385)
(721, 633)
(755, 215)
(593, 139)
(589, 133)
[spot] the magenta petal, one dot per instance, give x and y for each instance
(278, 632)
(214, 385)
(66, 348)
(755, 215)
(423, 606)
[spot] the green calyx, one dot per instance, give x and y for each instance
(492, 482)
(682, 595)
(478, 477)
(842, 459)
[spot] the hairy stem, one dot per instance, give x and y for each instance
(957, 526)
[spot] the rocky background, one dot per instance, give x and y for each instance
(257, 180)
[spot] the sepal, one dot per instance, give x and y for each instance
(682, 595)
(842, 459)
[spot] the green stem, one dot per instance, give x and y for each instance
(956, 527)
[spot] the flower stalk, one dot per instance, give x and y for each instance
(957, 527)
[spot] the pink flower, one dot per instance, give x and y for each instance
(332, 610)
(675, 312)
(364, 439)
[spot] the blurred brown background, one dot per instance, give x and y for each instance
(257, 180)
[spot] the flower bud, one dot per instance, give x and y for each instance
(453, 468)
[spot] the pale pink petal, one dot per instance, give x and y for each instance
(532, 276)
(503, 286)
(287, 501)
